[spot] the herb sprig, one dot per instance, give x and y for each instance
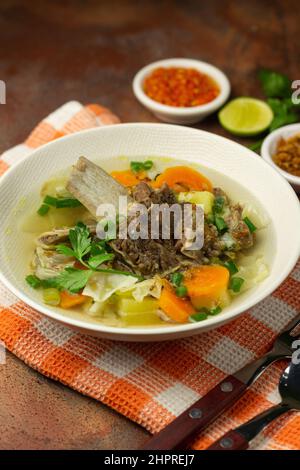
(277, 89)
(90, 254)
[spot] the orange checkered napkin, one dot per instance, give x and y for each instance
(151, 383)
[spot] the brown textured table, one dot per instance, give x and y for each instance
(52, 52)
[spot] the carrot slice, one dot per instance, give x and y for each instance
(206, 285)
(182, 178)
(176, 308)
(126, 178)
(68, 300)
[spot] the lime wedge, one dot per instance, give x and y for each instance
(246, 116)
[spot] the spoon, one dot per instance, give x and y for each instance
(289, 389)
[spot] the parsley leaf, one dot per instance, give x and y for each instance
(277, 88)
(256, 145)
(283, 112)
(65, 250)
(98, 248)
(95, 261)
(275, 85)
(72, 279)
(80, 240)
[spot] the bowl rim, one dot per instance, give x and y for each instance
(217, 74)
(172, 330)
(266, 153)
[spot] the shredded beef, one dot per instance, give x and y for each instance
(144, 194)
(147, 256)
(150, 256)
(238, 229)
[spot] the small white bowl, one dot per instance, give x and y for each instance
(182, 115)
(269, 146)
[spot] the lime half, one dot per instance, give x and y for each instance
(246, 116)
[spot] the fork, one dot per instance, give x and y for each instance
(198, 416)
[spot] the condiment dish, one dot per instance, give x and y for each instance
(182, 115)
(269, 146)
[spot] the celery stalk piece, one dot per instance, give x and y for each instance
(51, 296)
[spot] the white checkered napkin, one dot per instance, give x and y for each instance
(69, 118)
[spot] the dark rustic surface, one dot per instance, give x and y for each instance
(55, 51)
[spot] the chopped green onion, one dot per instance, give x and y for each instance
(44, 209)
(67, 202)
(148, 164)
(218, 205)
(33, 281)
(204, 312)
(236, 283)
(199, 316)
(51, 201)
(215, 311)
(210, 218)
(176, 279)
(250, 224)
(51, 296)
(181, 291)
(231, 266)
(136, 167)
(61, 202)
(220, 224)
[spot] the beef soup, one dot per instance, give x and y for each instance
(82, 262)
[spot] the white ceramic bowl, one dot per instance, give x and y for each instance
(182, 115)
(269, 146)
(228, 164)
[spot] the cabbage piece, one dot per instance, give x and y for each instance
(259, 219)
(101, 286)
(95, 309)
(106, 311)
(253, 269)
(142, 289)
(150, 287)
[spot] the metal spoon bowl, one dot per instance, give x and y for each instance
(289, 389)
